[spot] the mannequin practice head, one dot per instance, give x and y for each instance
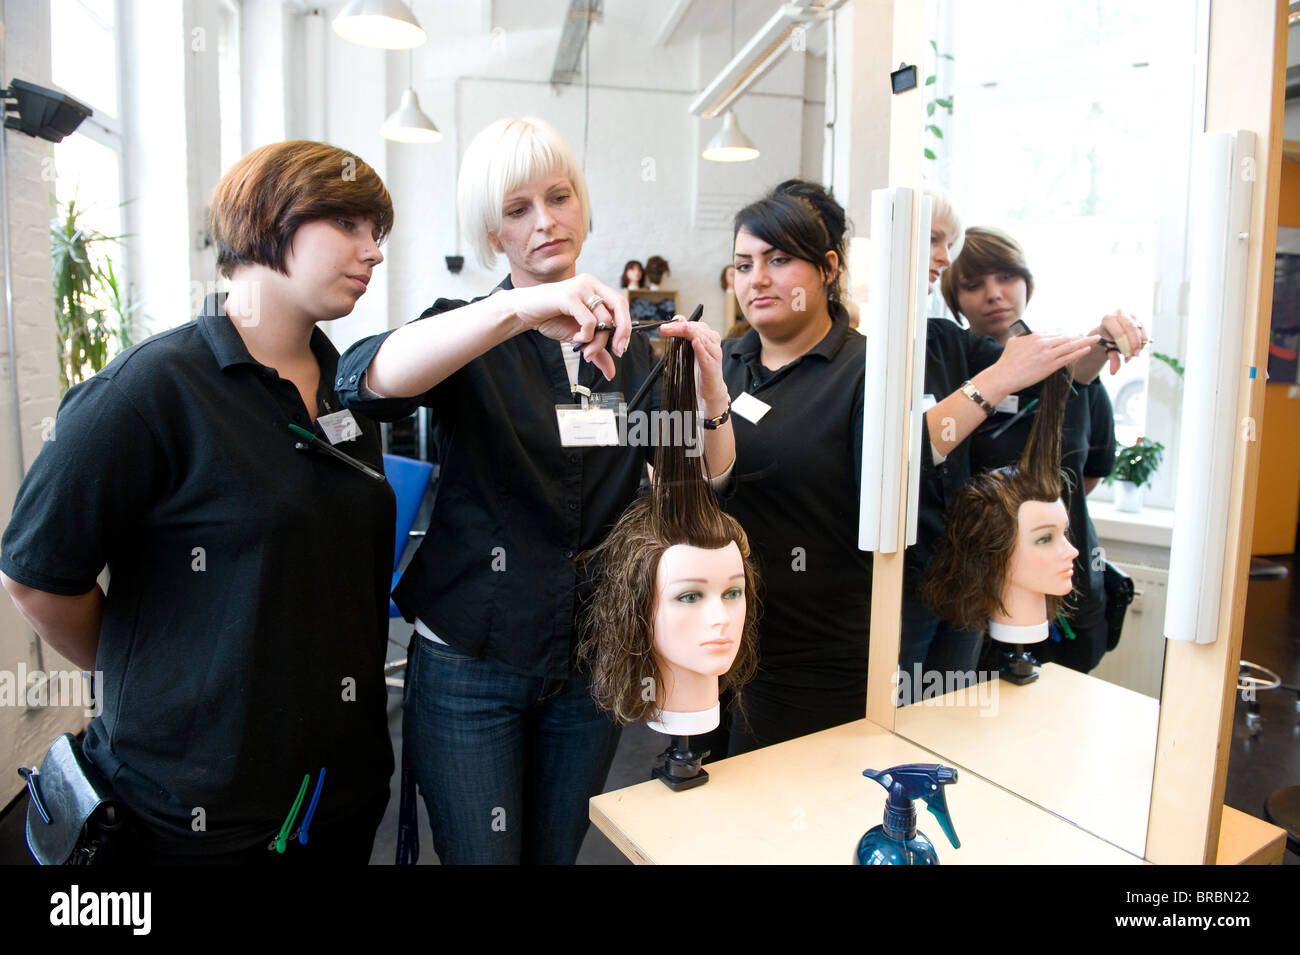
(633, 274)
(1005, 555)
(673, 619)
(656, 270)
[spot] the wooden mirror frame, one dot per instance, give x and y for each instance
(1245, 90)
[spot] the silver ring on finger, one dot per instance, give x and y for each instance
(592, 302)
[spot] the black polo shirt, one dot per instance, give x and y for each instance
(244, 630)
(495, 576)
(795, 490)
(952, 356)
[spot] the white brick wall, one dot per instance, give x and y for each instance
(25, 734)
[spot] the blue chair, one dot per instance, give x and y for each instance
(410, 480)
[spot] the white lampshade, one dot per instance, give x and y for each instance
(387, 24)
(730, 144)
(408, 123)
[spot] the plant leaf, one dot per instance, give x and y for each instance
(929, 154)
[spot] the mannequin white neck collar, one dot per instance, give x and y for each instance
(1009, 633)
(687, 724)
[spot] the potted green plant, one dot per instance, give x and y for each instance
(91, 306)
(1134, 467)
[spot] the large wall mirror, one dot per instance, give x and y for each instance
(1072, 134)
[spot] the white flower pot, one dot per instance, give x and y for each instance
(1128, 497)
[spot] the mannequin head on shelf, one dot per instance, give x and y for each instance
(633, 274)
(1005, 557)
(656, 270)
(673, 617)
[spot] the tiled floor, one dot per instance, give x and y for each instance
(1258, 764)
(1269, 759)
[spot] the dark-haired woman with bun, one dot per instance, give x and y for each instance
(796, 386)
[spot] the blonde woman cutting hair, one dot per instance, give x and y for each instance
(500, 727)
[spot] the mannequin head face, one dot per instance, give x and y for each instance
(633, 274)
(699, 609)
(1043, 561)
(1005, 545)
(667, 613)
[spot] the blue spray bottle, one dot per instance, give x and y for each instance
(897, 842)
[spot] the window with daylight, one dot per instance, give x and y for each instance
(88, 188)
(1070, 126)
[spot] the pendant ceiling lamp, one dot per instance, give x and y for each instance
(730, 144)
(387, 24)
(408, 123)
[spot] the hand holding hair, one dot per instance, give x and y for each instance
(1028, 359)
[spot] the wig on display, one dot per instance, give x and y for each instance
(616, 635)
(969, 569)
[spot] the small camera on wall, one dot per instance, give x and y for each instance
(41, 112)
(903, 78)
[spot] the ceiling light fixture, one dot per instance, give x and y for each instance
(386, 24)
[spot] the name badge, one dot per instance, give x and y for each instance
(750, 408)
(339, 426)
(586, 427)
(1008, 405)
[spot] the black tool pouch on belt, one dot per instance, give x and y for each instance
(1119, 594)
(72, 817)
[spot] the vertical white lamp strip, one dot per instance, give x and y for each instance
(921, 298)
(1218, 232)
(883, 418)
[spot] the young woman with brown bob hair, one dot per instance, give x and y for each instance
(241, 640)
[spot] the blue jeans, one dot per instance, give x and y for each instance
(506, 763)
(928, 644)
